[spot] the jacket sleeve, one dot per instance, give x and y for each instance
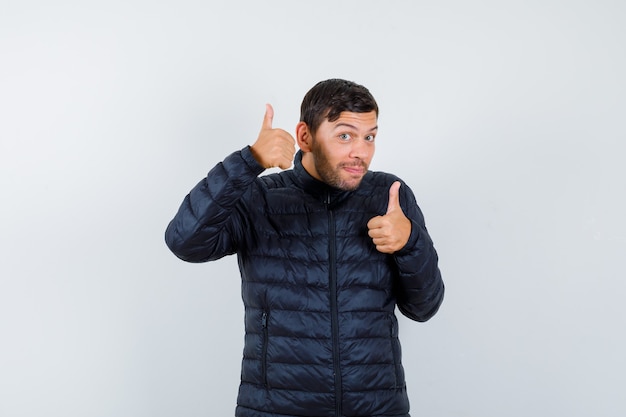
(420, 288)
(211, 218)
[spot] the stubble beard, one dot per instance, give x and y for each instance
(332, 175)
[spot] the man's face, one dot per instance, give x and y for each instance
(343, 149)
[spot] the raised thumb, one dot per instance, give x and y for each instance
(394, 197)
(269, 117)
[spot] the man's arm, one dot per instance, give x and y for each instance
(208, 222)
(211, 219)
(419, 289)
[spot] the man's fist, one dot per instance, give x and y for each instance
(391, 231)
(273, 147)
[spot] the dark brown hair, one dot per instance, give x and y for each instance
(328, 99)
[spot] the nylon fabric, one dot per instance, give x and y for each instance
(300, 242)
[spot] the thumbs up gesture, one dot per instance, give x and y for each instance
(273, 147)
(391, 231)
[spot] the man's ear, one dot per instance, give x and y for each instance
(304, 137)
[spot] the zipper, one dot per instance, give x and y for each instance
(392, 329)
(332, 254)
(264, 349)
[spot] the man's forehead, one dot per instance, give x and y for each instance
(352, 119)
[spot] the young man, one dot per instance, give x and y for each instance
(326, 252)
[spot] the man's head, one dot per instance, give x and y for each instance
(336, 132)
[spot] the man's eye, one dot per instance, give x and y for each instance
(370, 138)
(344, 136)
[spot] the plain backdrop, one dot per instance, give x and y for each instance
(507, 119)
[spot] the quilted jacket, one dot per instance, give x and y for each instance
(321, 336)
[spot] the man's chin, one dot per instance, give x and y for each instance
(343, 182)
(350, 185)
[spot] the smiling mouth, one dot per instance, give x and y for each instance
(354, 170)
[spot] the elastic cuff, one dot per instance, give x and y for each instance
(413, 238)
(246, 155)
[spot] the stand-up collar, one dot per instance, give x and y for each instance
(318, 189)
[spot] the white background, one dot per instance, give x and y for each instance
(507, 118)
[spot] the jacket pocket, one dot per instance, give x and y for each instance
(395, 352)
(264, 343)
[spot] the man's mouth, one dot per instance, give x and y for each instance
(354, 170)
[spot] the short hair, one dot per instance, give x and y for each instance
(329, 98)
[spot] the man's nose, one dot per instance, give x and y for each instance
(359, 149)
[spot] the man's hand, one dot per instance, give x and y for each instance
(273, 147)
(391, 231)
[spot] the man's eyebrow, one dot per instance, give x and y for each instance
(348, 125)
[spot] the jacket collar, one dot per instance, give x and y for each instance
(320, 190)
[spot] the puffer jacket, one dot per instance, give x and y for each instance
(321, 336)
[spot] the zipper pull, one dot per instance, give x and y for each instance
(264, 320)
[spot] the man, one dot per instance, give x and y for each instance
(326, 251)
